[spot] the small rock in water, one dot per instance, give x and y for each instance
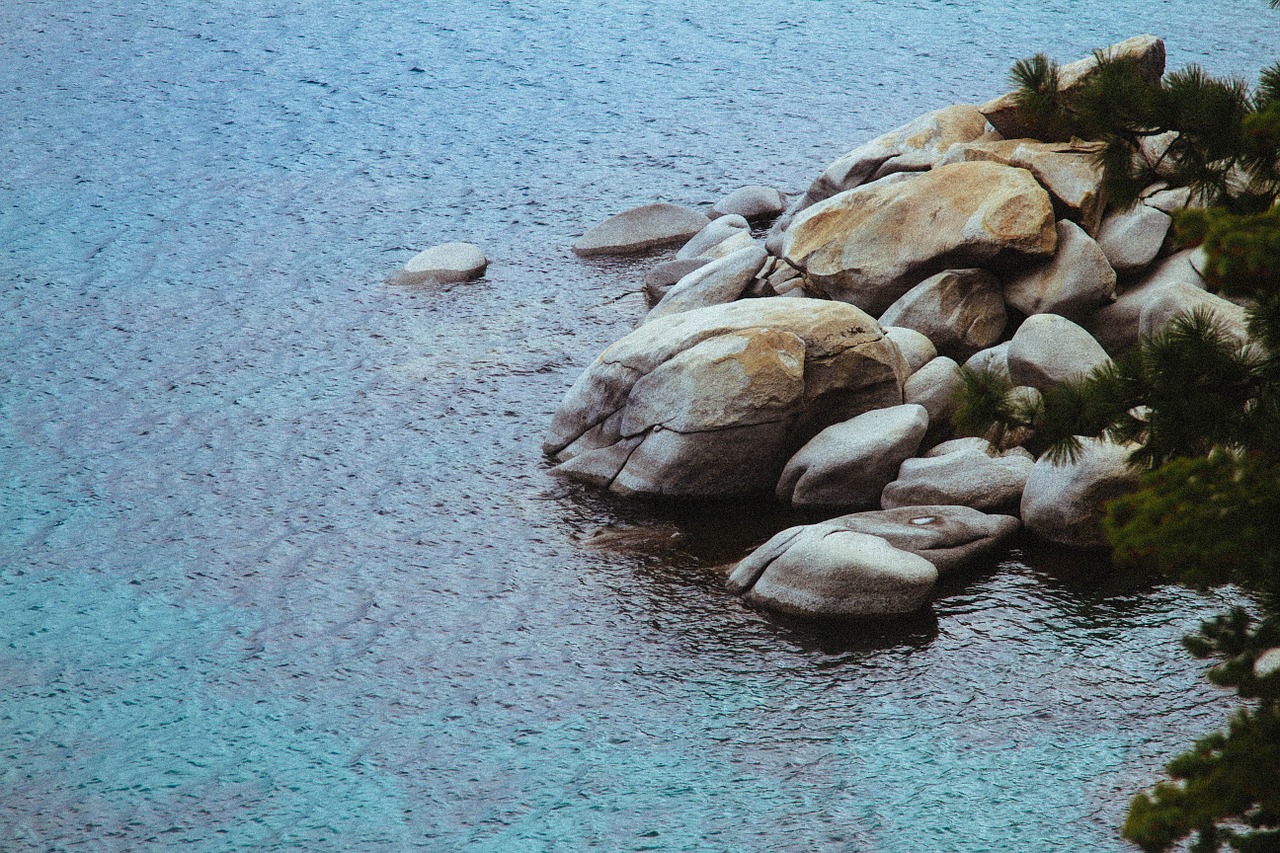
(443, 264)
(641, 228)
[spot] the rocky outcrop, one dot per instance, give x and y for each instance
(848, 464)
(641, 228)
(447, 263)
(715, 400)
(852, 247)
(960, 311)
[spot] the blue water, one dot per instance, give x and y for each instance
(282, 568)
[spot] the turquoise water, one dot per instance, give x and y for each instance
(282, 568)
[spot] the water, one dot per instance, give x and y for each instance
(282, 566)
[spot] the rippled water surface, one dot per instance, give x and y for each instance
(282, 566)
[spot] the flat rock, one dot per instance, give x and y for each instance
(1076, 282)
(713, 233)
(754, 203)
(444, 264)
(968, 476)
(847, 464)
(718, 282)
(960, 311)
(714, 401)
(1066, 503)
(641, 228)
(1048, 349)
(868, 246)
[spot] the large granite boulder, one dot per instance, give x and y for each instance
(718, 282)
(1076, 282)
(447, 263)
(971, 475)
(715, 400)
(868, 246)
(1066, 503)
(1184, 298)
(847, 464)
(960, 311)
(641, 228)
(994, 359)
(917, 350)
(1048, 349)
(1131, 239)
(1147, 50)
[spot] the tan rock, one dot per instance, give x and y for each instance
(869, 246)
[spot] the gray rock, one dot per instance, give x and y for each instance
(1066, 503)
(641, 228)
(660, 279)
(718, 282)
(994, 359)
(716, 231)
(1117, 326)
(1169, 200)
(1074, 283)
(935, 386)
(960, 311)
(966, 476)
(715, 400)
(846, 465)
(830, 572)
(752, 203)
(1048, 349)
(1132, 238)
(1182, 298)
(444, 264)
(917, 350)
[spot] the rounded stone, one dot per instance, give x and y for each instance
(444, 264)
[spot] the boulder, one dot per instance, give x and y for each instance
(960, 311)
(1168, 200)
(752, 203)
(1267, 663)
(847, 464)
(1068, 170)
(641, 228)
(715, 232)
(715, 400)
(1076, 282)
(660, 279)
(977, 477)
(994, 359)
(1168, 302)
(1066, 503)
(444, 264)
(718, 282)
(828, 572)
(868, 246)
(1117, 326)
(948, 537)
(1131, 239)
(1146, 49)
(935, 387)
(917, 350)
(1048, 349)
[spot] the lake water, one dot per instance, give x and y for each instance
(282, 567)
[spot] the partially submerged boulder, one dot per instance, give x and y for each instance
(641, 228)
(447, 263)
(753, 203)
(713, 401)
(868, 246)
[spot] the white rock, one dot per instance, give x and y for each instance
(994, 359)
(1066, 503)
(716, 231)
(641, 228)
(966, 476)
(1132, 238)
(1048, 349)
(1181, 298)
(1074, 283)
(935, 386)
(661, 278)
(443, 264)
(753, 203)
(1267, 663)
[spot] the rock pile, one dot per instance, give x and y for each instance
(820, 363)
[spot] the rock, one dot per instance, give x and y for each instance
(786, 280)
(1075, 283)
(869, 246)
(718, 282)
(917, 350)
(828, 572)
(994, 359)
(914, 147)
(960, 311)
(1182, 298)
(1069, 171)
(715, 400)
(847, 464)
(641, 228)
(1155, 150)
(1048, 349)
(949, 537)
(1169, 200)
(967, 476)
(1267, 663)
(1147, 50)
(752, 203)
(444, 264)
(1132, 238)
(716, 231)
(1065, 503)
(1117, 326)
(660, 279)
(935, 387)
